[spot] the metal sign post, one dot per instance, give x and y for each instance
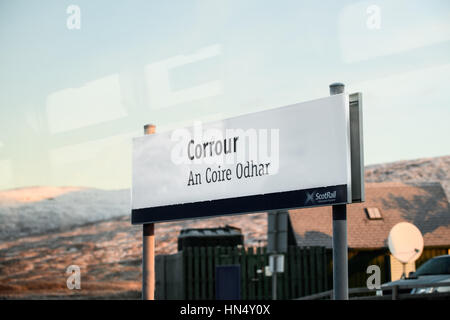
(340, 254)
(276, 265)
(148, 249)
(277, 242)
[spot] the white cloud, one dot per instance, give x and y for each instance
(105, 163)
(406, 114)
(95, 102)
(419, 87)
(158, 80)
(91, 149)
(401, 29)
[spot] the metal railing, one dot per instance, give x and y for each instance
(395, 293)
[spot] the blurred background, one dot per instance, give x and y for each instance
(79, 79)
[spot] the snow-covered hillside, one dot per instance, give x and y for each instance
(37, 210)
(435, 169)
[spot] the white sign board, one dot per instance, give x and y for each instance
(289, 157)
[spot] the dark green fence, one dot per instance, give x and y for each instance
(190, 274)
(305, 272)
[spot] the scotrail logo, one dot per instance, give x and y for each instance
(318, 197)
(309, 197)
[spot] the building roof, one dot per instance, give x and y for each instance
(423, 204)
(210, 232)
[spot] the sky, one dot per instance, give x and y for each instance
(71, 99)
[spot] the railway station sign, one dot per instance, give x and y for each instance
(288, 157)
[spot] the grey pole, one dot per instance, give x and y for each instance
(340, 254)
(274, 285)
(148, 249)
(275, 246)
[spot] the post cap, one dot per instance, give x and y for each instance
(149, 129)
(337, 88)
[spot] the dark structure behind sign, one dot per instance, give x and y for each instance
(227, 236)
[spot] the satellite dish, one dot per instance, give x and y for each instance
(405, 242)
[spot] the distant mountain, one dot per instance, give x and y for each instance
(420, 170)
(37, 210)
